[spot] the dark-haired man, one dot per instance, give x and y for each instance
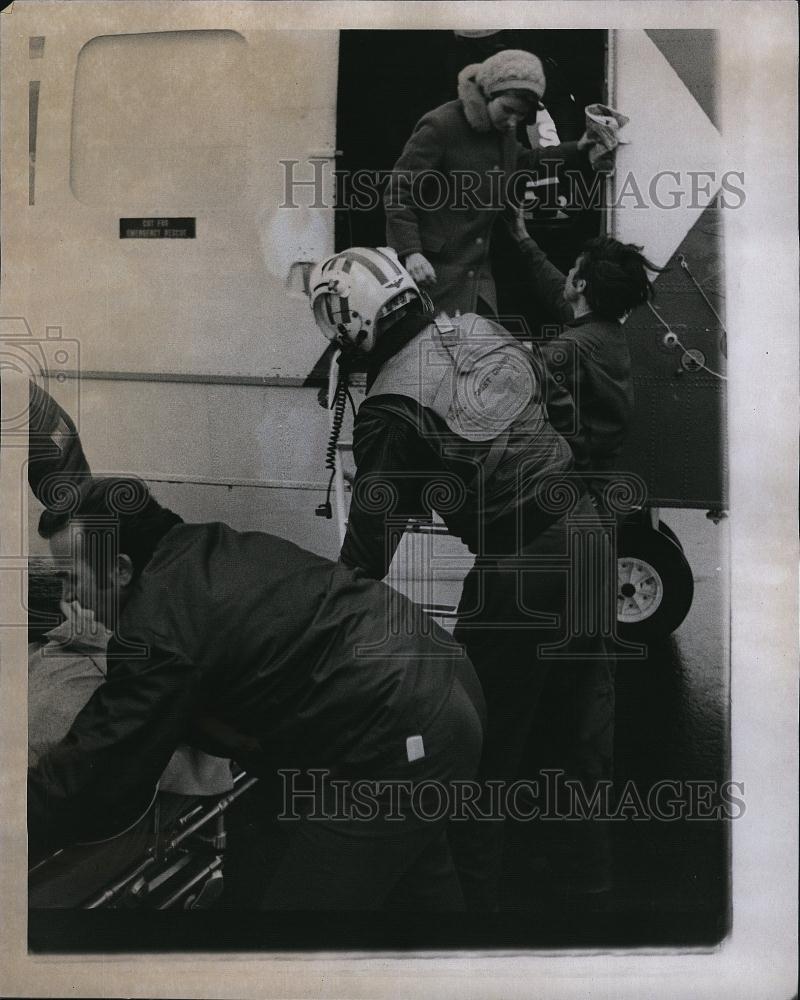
(301, 663)
(593, 408)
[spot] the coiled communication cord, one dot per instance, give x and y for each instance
(337, 404)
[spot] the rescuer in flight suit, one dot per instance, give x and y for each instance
(301, 663)
(454, 421)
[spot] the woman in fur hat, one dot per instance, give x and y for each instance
(455, 176)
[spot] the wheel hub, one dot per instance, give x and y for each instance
(640, 589)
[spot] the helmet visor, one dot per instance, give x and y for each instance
(331, 315)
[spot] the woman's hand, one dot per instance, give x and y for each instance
(601, 157)
(420, 269)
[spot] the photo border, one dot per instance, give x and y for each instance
(758, 64)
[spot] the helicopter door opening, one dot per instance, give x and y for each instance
(389, 80)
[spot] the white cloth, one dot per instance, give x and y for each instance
(543, 132)
(602, 127)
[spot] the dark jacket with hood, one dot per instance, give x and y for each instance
(449, 218)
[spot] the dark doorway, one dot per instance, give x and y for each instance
(389, 79)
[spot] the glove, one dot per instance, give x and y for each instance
(602, 127)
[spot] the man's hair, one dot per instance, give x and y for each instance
(616, 276)
(122, 501)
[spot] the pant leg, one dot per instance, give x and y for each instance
(344, 865)
(347, 863)
(501, 624)
(590, 763)
(501, 640)
(431, 884)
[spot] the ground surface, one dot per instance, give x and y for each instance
(669, 880)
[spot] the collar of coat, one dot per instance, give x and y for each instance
(396, 338)
(473, 101)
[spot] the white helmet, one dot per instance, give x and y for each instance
(352, 291)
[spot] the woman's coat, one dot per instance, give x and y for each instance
(454, 177)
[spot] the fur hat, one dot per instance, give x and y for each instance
(511, 69)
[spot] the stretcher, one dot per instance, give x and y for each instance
(171, 858)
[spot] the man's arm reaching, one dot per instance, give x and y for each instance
(105, 770)
(547, 280)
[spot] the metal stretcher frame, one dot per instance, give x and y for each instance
(166, 868)
(152, 865)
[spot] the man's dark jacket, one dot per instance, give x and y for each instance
(592, 402)
(320, 665)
